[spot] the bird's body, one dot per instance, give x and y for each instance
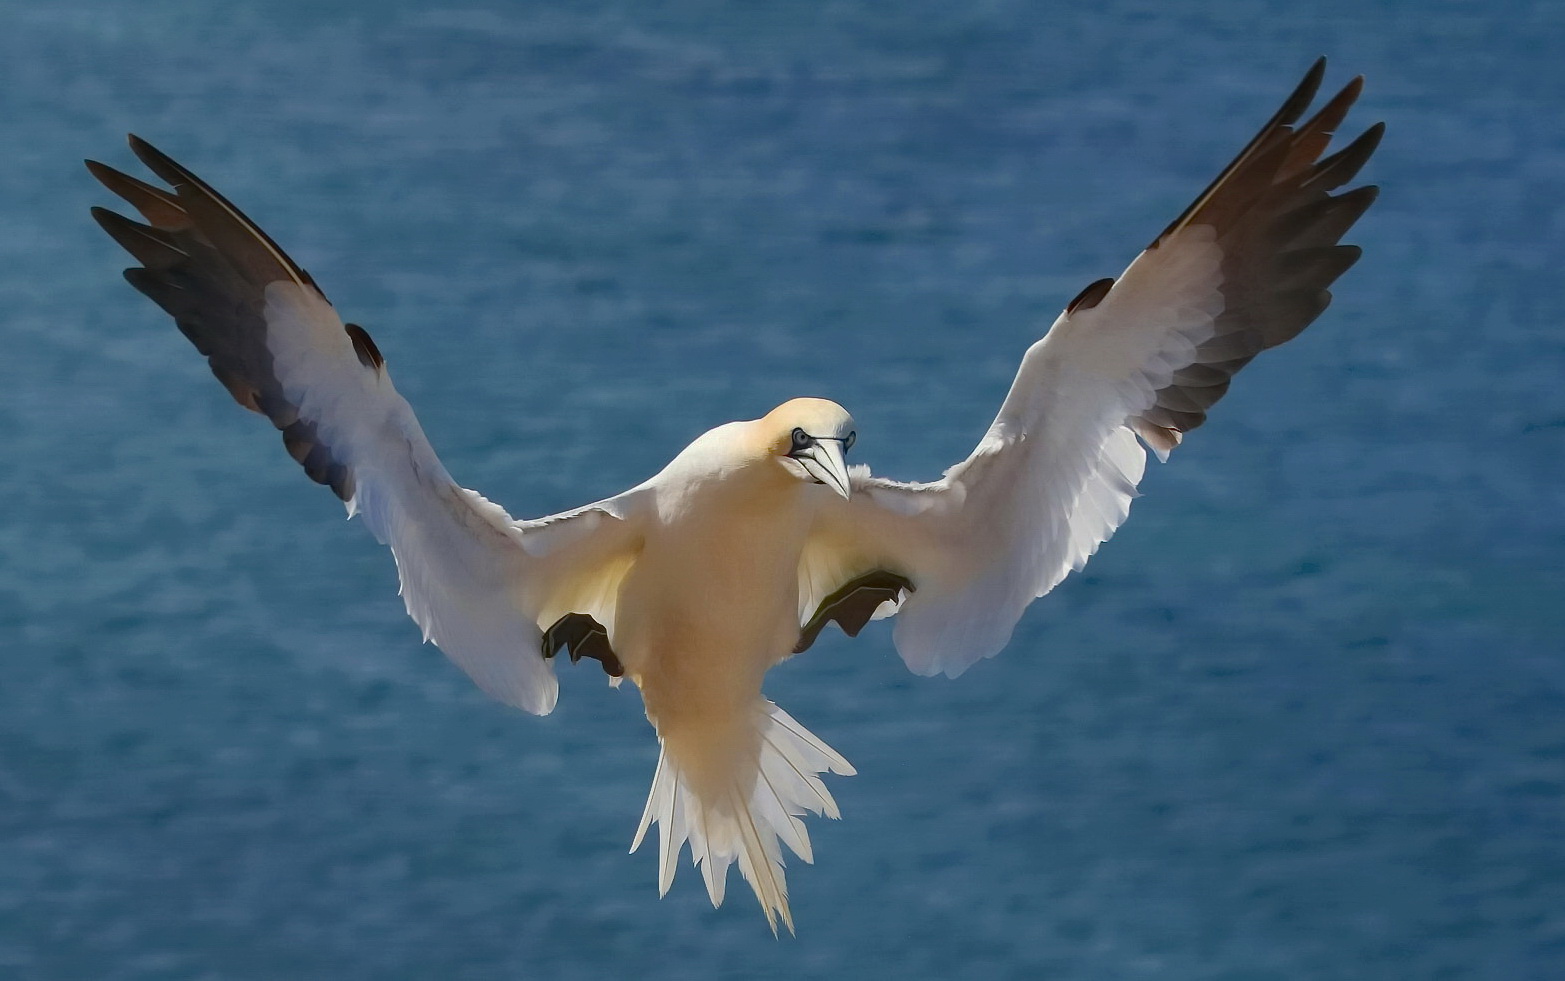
(755, 536)
(726, 520)
(709, 604)
(728, 540)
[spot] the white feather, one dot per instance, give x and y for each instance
(1050, 481)
(466, 571)
(746, 823)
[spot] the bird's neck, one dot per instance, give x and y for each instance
(754, 492)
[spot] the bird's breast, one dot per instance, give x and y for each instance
(712, 601)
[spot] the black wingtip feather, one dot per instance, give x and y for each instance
(1316, 265)
(230, 228)
(155, 204)
(1339, 168)
(1286, 115)
(149, 246)
(209, 266)
(1293, 107)
(159, 162)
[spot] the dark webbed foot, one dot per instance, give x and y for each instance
(853, 605)
(582, 636)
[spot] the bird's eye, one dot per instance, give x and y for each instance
(801, 439)
(847, 444)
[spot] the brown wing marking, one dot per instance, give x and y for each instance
(582, 636)
(1278, 227)
(853, 604)
(208, 266)
(1090, 296)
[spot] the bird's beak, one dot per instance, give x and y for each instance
(823, 459)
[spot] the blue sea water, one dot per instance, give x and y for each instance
(1304, 717)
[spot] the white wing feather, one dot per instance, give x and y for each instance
(470, 576)
(1244, 269)
(479, 584)
(1050, 481)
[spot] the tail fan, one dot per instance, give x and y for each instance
(746, 819)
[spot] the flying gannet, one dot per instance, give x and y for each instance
(736, 555)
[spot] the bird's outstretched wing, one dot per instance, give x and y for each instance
(1245, 268)
(476, 581)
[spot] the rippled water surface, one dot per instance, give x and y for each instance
(1303, 718)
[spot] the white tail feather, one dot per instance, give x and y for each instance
(759, 808)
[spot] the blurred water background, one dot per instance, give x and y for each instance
(1303, 718)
